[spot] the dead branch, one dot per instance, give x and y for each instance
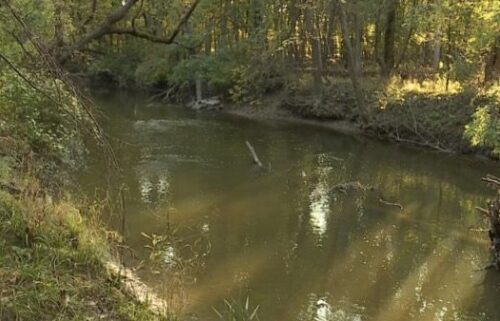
(492, 180)
(254, 155)
(483, 211)
(383, 201)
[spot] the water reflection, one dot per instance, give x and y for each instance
(320, 204)
(153, 187)
(261, 230)
(319, 197)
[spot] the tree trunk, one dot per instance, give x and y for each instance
(389, 37)
(358, 45)
(351, 63)
(315, 44)
(436, 50)
(330, 32)
(492, 65)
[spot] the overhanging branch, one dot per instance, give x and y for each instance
(152, 38)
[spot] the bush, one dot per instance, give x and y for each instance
(484, 130)
(42, 123)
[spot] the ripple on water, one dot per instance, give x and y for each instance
(161, 125)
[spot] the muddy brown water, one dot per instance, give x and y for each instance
(283, 237)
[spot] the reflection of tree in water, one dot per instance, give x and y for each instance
(320, 198)
(154, 184)
(320, 204)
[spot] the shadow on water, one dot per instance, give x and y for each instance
(299, 248)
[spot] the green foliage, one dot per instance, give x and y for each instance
(237, 311)
(116, 66)
(45, 119)
(50, 263)
(152, 72)
(484, 130)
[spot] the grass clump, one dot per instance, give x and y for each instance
(50, 266)
(51, 260)
(235, 310)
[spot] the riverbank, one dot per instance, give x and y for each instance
(56, 256)
(431, 119)
(55, 260)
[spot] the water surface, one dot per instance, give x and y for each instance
(283, 237)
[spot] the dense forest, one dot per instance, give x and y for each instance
(418, 72)
(327, 59)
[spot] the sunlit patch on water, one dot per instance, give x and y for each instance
(320, 205)
(319, 309)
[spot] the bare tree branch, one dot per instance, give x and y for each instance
(153, 38)
(107, 28)
(101, 30)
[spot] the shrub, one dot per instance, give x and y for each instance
(484, 130)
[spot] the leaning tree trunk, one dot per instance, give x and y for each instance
(493, 215)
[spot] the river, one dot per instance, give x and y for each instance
(294, 238)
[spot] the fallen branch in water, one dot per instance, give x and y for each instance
(347, 187)
(482, 211)
(254, 154)
(492, 180)
(492, 212)
(381, 200)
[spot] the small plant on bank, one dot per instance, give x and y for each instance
(484, 130)
(237, 311)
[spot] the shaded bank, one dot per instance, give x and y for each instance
(440, 121)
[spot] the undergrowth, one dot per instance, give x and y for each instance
(51, 266)
(52, 251)
(430, 112)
